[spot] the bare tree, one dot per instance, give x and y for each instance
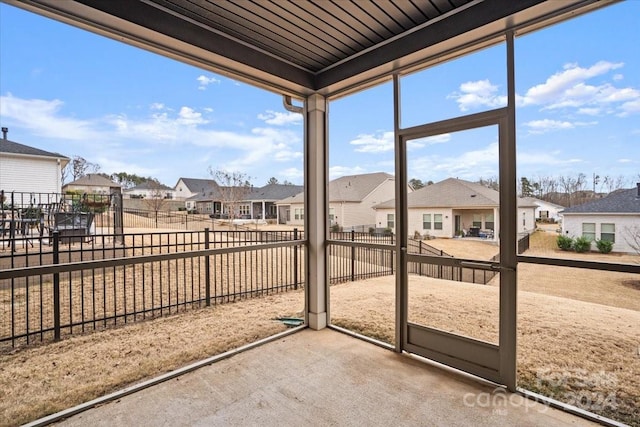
(611, 183)
(156, 200)
(491, 182)
(233, 188)
(79, 167)
(632, 237)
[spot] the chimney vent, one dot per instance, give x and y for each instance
(4, 133)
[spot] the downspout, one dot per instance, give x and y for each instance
(288, 105)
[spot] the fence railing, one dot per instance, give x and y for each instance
(49, 289)
(65, 289)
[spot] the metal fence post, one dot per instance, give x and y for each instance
(353, 256)
(56, 287)
(207, 269)
(295, 260)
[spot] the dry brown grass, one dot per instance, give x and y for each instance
(41, 380)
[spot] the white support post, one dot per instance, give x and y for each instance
(315, 228)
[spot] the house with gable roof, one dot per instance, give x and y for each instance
(28, 169)
(93, 183)
(615, 218)
(351, 200)
(454, 207)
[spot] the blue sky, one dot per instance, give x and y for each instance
(66, 90)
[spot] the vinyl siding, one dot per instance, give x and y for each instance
(29, 175)
(572, 227)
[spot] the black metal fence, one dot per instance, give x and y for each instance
(50, 288)
(49, 291)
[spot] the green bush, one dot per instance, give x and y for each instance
(565, 243)
(604, 246)
(582, 244)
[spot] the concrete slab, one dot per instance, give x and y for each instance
(323, 378)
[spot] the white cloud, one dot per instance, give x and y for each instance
(547, 125)
(338, 171)
(373, 143)
(278, 118)
(44, 118)
(569, 89)
(469, 165)
(206, 81)
(625, 161)
(618, 77)
(188, 116)
(157, 106)
(631, 107)
(292, 174)
(476, 94)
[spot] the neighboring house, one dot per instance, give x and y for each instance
(351, 200)
(150, 190)
(545, 211)
(454, 207)
(262, 201)
(93, 184)
(614, 218)
(29, 169)
(186, 188)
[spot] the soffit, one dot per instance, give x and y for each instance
(299, 47)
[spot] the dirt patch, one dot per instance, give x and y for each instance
(633, 284)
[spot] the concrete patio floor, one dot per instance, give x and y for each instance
(322, 378)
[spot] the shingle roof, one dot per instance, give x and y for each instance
(196, 185)
(352, 188)
(7, 146)
(537, 202)
(453, 193)
(150, 185)
(621, 201)
(275, 192)
(95, 180)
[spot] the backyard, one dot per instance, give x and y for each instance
(577, 331)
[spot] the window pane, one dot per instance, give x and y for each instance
(437, 221)
(426, 222)
(608, 228)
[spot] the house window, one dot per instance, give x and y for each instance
(298, 214)
(244, 209)
(589, 230)
(426, 221)
(437, 221)
(608, 232)
(488, 222)
(391, 223)
(332, 215)
(477, 220)
(544, 214)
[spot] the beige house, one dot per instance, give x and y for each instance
(93, 184)
(455, 207)
(351, 201)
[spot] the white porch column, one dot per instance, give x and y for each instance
(316, 168)
(264, 214)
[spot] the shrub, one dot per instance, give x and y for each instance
(582, 244)
(565, 243)
(604, 246)
(336, 228)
